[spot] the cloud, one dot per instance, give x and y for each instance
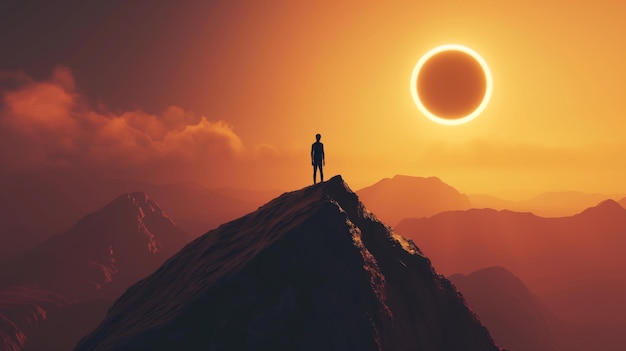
(266, 152)
(47, 124)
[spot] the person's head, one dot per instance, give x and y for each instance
(318, 137)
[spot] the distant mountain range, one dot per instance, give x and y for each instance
(90, 264)
(37, 206)
(552, 204)
(75, 276)
(310, 270)
(394, 199)
(400, 197)
(574, 264)
(520, 321)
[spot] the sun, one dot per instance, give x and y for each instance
(451, 84)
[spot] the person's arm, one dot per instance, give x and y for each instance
(313, 154)
(323, 157)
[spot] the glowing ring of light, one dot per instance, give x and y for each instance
(488, 83)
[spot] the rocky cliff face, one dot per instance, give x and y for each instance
(310, 270)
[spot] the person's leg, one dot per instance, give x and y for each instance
(314, 173)
(321, 174)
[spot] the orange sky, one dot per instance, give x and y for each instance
(233, 93)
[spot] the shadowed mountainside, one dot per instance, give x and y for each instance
(411, 197)
(33, 319)
(310, 270)
(574, 264)
(21, 308)
(519, 320)
(515, 317)
(46, 295)
(103, 253)
(64, 326)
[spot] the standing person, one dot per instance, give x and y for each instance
(317, 158)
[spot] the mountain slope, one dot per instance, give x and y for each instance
(21, 308)
(45, 294)
(516, 318)
(576, 264)
(551, 204)
(411, 197)
(103, 253)
(519, 320)
(310, 270)
(33, 319)
(65, 325)
(465, 241)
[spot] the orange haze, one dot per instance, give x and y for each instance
(233, 93)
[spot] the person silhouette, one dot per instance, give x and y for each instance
(317, 158)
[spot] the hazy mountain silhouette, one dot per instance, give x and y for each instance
(197, 209)
(519, 320)
(551, 204)
(36, 207)
(100, 256)
(103, 253)
(576, 264)
(310, 270)
(515, 317)
(411, 197)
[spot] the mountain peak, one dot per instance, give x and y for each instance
(408, 178)
(139, 200)
(404, 176)
(290, 275)
(605, 208)
(136, 196)
(493, 273)
(610, 203)
(400, 197)
(104, 252)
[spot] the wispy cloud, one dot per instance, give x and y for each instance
(48, 124)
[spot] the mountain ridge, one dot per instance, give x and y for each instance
(574, 264)
(62, 279)
(38, 206)
(394, 199)
(548, 204)
(311, 269)
(126, 236)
